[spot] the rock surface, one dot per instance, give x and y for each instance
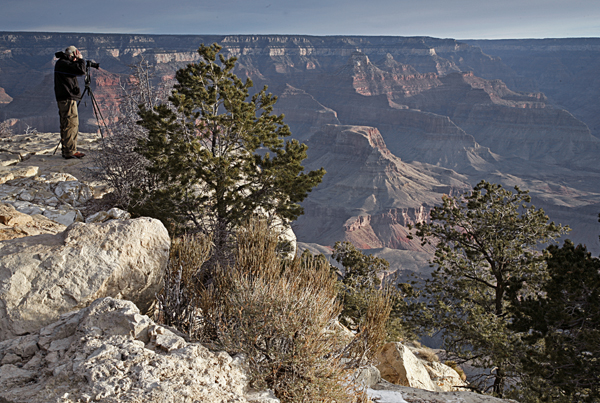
(109, 352)
(386, 392)
(43, 276)
(14, 224)
(399, 365)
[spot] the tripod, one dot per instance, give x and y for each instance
(95, 107)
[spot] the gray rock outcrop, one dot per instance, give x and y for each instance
(109, 352)
(44, 276)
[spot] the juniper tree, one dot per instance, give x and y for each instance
(487, 252)
(219, 154)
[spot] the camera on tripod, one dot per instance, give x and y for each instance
(90, 63)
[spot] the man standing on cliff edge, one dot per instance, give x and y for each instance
(69, 65)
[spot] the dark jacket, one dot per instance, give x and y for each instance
(65, 77)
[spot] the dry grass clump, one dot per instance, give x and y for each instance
(177, 304)
(280, 314)
(459, 370)
(427, 354)
(372, 330)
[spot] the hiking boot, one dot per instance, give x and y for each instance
(75, 155)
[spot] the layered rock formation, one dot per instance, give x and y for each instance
(368, 195)
(566, 70)
(451, 112)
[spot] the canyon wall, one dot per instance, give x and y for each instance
(396, 121)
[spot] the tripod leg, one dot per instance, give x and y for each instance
(59, 141)
(98, 113)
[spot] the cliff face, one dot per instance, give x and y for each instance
(396, 122)
(368, 196)
(566, 70)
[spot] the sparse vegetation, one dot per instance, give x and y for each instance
(5, 129)
(360, 279)
(122, 167)
(279, 313)
(31, 130)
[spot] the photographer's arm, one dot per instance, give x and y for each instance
(77, 65)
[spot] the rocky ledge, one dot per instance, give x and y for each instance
(109, 352)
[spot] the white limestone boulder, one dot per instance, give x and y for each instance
(398, 365)
(111, 353)
(44, 276)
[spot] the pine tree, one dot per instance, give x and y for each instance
(219, 155)
(563, 328)
(486, 253)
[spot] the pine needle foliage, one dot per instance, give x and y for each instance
(487, 254)
(219, 155)
(562, 327)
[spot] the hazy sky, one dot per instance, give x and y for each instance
(460, 19)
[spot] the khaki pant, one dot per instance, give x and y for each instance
(69, 126)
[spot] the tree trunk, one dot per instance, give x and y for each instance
(498, 388)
